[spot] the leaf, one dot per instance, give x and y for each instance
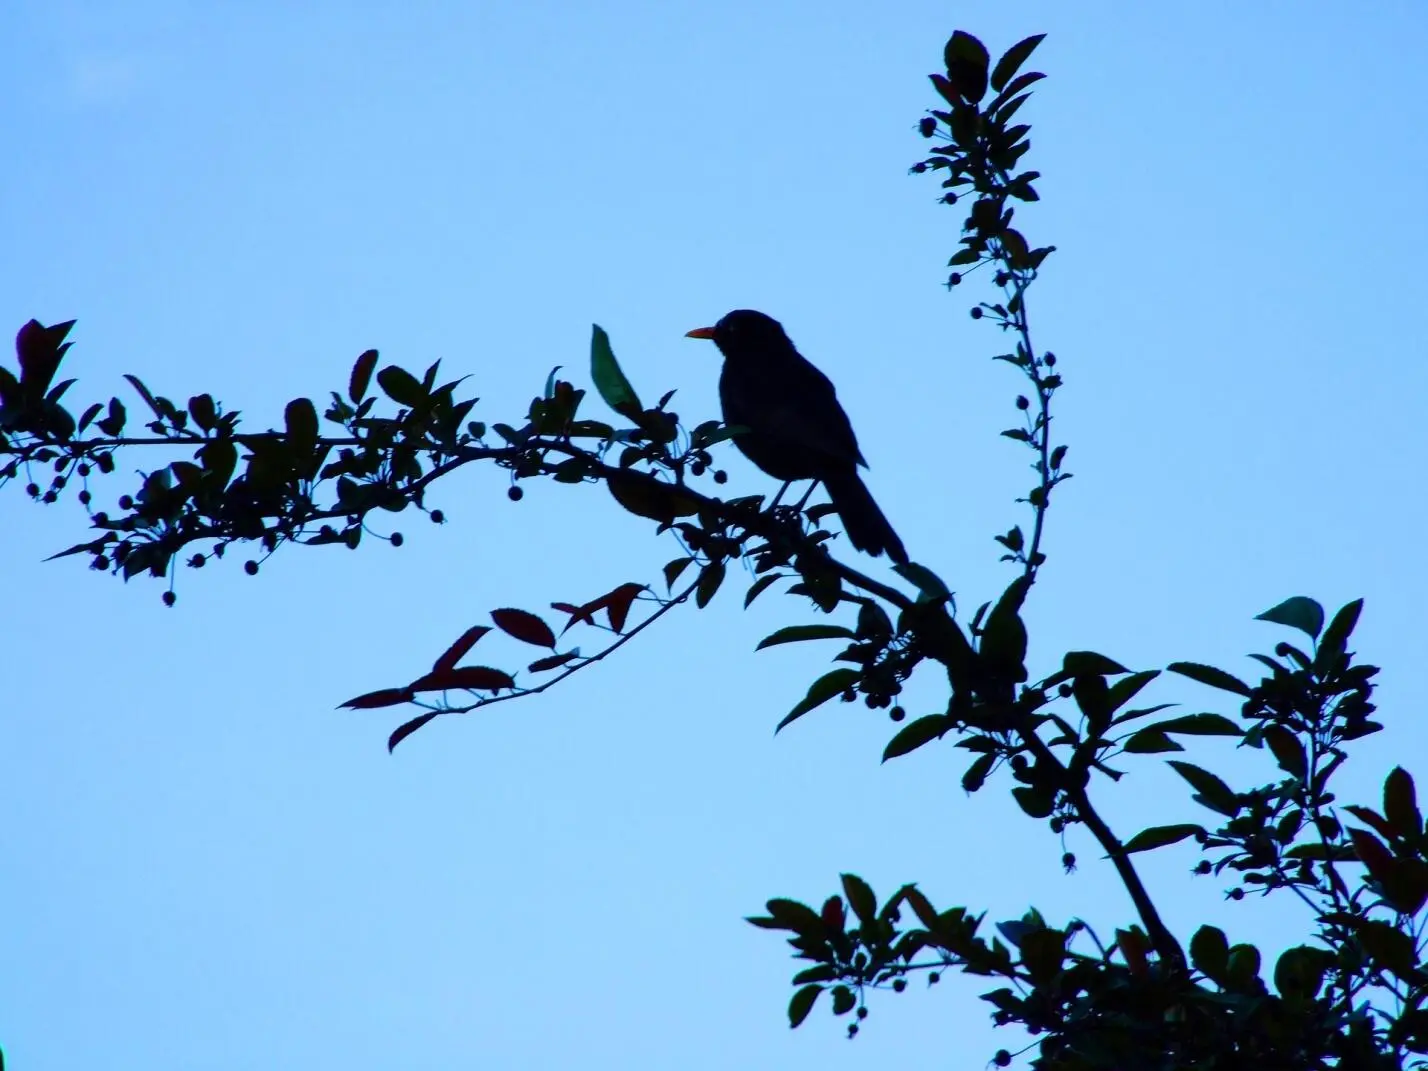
(1159, 837)
(401, 386)
(758, 587)
(203, 411)
(1126, 689)
(673, 569)
(1150, 741)
(609, 380)
(710, 577)
(646, 497)
(967, 61)
(555, 661)
(820, 691)
(1210, 951)
(861, 899)
(361, 375)
(1215, 678)
(383, 697)
(1390, 947)
(915, 733)
(929, 585)
(457, 651)
(1089, 663)
(1298, 612)
(843, 1000)
(798, 633)
(975, 776)
(1199, 725)
(475, 678)
(1400, 803)
(1012, 59)
(802, 1003)
(617, 603)
(407, 728)
(524, 626)
(1288, 750)
(1212, 792)
(149, 399)
(1332, 643)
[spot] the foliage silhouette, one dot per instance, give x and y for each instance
(1352, 996)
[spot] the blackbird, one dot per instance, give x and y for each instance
(797, 429)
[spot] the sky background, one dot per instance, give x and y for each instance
(204, 864)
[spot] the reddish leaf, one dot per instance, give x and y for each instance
(584, 614)
(477, 678)
(540, 665)
(1372, 853)
(1372, 818)
(618, 603)
(834, 915)
(383, 697)
(407, 728)
(457, 651)
(525, 626)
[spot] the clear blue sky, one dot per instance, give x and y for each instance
(203, 864)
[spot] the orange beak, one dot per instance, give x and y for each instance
(701, 332)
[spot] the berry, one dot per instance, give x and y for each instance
(1022, 402)
(437, 517)
(170, 598)
(515, 494)
(251, 568)
(720, 476)
(927, 126)
(897, 713)
(976, 314)
(126, 502)
(899, 984)
(398, 539)
(33, 490)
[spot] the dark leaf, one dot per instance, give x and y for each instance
(383, 697)
(1210, 952)
(1332, 643)
(138, 385)
(300, 418)
(1212, 792)
(476, 678)
(1083, 663)
(1299, 612)
(916, 733)
(798, 633)
(555, 661)
(1199, 725)
(673, 569)
(820, 691)
(1012, 60)
(618, 602)
(647, 498)
(1159, 837)
(843, 1000)
(524, 626)
(361, 375)
(967, 61)
(710, 577)
(1400, 803)
(802, 1003)
(1150, 741)
(1003, 647)
(861, 899)
(758, 587)
(1288, 750)
(407, 728)
(1215, 678)
(930, 587)
(457, 651)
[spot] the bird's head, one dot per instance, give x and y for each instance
(745, 334)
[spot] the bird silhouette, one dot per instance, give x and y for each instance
(797, 430)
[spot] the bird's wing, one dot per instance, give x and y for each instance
(795, 403)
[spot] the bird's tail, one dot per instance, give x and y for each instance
(868, 530)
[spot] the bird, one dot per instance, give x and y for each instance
(797, 430)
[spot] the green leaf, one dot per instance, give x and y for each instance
(138, 385)
(798, 633)
(1036, 802)
(300, 418)
(1126, 689)
(524, 626)
(975, 776)
(843, 1000)
(861, 899)
(1159, 837)
(1199, 725)
(609, 380)
(929, 585)
(1299, 612)
(1215, 678)
(1012, 59)
(401, 386)
(1288, 750)
(1150, 741)
(1212, 792)
(1300, 971)
(758, 587)
(361, 375)
(820, 691)
(802, 1003)
(203, 411)
(915, 733)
